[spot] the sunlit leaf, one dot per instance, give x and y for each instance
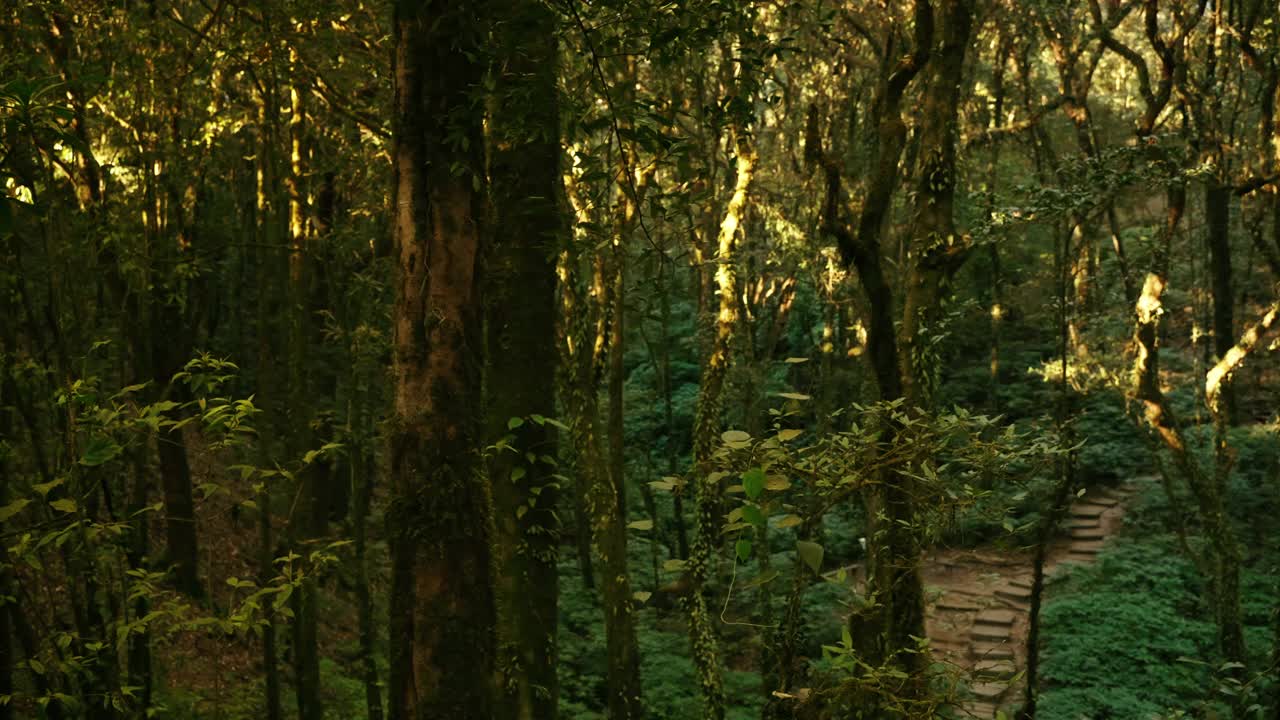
(753, 482)
(13, 508)
(810, 554)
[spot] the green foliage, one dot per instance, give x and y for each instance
(1112, 448)
(1132, 635)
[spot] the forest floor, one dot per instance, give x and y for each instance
(979, 600)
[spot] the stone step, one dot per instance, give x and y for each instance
(989, 691)
(1086, 510)
(989, 633)
(949, 650)
(991, 651)
(1087, 534)
(958, 604)
(995, 669)
(1013, 593)
(1085, 524)
(979, 710)
(996, 617)
(1086, 548)
(1102, 499)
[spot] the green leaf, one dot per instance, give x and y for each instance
(673, 565)
(66, 505)
(735, 438)
(810, 554)
(514, 423)
(790, 521)
(777, 483)
(641, 595)
(641, 525)
(796, 360)
(789, 434)
(763, 578)
(794, 396)
(752, 514)
(13, 508)
(743, 548)
(44, 488)
(753, 482)
(518, 472)
(99, 451)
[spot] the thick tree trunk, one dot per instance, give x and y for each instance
(520, 330)
(938, 253)
(179, 509)
(440, 518)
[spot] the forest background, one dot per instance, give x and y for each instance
(628, 358)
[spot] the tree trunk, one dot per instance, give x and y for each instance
(440, 518)
(363, 467)
(668, 410)
(520, 336)
(1217, 208)
(706, 435)
(266, 575)
(1154, 412)
(8, 658)
(179, 510)
(938, 253)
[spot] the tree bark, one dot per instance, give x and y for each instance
(440, 519)
(706, 434)
(1217, 207)
(520, 332)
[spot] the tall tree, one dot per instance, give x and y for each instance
(442, 602)
(520, 360)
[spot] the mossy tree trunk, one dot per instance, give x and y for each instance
(520, 341)
(902, 359)
(706, 434)
(440, 519)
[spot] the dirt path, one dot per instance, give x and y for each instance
(979, 601)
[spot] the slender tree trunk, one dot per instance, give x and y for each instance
(706, 435)
(1155, 414)
(140, 666)
(668, 410)
(309, 514)
(520, 336)
(363, 467)
(440, 519)
(1217, 206)
(8, 658)
(266, 575)
(1061, 494)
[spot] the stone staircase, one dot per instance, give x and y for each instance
(984, 630)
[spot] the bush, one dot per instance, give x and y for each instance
(1121, 634)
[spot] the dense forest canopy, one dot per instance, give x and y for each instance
(536, 359)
